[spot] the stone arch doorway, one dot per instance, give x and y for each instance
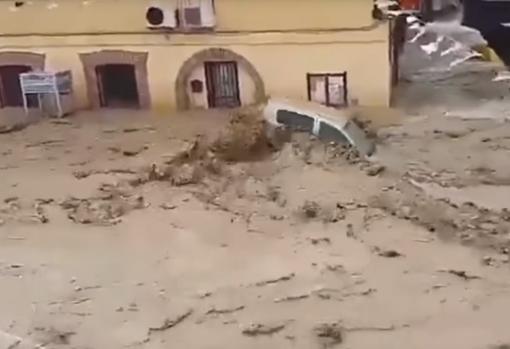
(12, 64)
(218, 77)
(116, 78)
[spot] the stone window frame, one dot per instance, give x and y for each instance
(36, 61)
(139, 60)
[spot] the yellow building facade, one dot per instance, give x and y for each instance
(199, 53)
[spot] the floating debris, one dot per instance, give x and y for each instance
(259, 329)
(277, 280)
(329, 334)
(169, 323)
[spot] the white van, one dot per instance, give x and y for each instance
(328, 124)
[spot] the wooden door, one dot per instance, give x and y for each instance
(222, 84)
(10, 88)
(100, 76)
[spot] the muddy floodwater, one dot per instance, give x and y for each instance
(120, 229)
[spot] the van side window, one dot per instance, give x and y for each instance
(330, 134)
(295, 121)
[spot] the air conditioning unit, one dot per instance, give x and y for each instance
(160, 16)
(197, 14)
(208, 13)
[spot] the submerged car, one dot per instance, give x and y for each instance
(328, 124)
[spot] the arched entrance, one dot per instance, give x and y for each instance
(116, 78)
(12, 64)
(218, 77)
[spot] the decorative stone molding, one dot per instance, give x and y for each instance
(211, 55)
(33, 60)
(138, 59)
